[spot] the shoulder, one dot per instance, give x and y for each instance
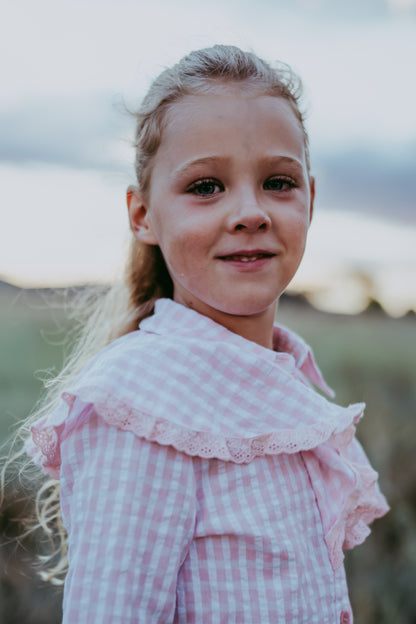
(97, 450)
(129, 509)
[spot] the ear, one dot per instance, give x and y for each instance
(312, 198)
(139, 217)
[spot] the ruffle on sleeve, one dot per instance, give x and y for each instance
(49, 433)
(224, 397)
(344, 483)
(346, 490)
(44, 445)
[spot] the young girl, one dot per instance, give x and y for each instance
(202, 478)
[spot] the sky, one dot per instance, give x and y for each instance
(70, 70)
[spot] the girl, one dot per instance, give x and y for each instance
(201, 477)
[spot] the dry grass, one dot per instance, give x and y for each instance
(369, 358)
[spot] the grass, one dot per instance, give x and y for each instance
(368, 358)
(31, 343)
(372, 358)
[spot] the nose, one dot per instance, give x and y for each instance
(248, 215)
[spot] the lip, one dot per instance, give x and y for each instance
(247, 260)
(246, 253)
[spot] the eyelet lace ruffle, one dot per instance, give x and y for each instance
(345, 511)
(226, 398)
(48, 434)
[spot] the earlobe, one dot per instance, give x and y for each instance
(139, 217)
(312, 198)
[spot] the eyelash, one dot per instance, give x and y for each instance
(198, 185)
(288, 183)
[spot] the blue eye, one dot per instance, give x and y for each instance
(279, 184)
(205, 188)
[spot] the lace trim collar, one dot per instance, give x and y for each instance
(184, 381)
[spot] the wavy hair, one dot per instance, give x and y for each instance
(105, 314)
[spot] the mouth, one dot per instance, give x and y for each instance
(247, 256)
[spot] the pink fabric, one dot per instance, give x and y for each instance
(204, 480)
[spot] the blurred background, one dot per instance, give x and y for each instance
(69, 71)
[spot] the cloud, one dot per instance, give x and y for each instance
(372, 181)
(353, 9)
(79, 132)
(95, 132)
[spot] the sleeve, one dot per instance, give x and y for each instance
(372, 504)
(346, 490)
(129, 508)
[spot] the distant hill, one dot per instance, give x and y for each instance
(7, 288)
(288, 301)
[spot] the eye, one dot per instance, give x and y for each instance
(279, 183)
(205, 187)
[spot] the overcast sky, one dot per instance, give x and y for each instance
(68, 67)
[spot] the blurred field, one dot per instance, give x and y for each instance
(370, 358)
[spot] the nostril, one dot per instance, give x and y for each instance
(250, 222)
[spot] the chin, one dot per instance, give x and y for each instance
(251, 302)
(251, 306)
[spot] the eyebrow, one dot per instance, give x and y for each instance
(222, 160)
(282, 160)
(205, 160)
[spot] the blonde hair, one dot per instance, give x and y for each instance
(106, 315)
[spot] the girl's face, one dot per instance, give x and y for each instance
(229, 201)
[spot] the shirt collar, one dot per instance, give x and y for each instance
(171, 317)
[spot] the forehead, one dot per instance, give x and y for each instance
(232, 118)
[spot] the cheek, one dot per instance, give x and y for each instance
(185, 251)
(296, 231)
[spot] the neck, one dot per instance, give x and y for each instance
(255, 327)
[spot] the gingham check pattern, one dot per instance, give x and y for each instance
(203, 480)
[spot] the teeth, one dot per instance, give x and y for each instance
(246, 258)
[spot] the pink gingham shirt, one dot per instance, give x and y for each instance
(204, 480)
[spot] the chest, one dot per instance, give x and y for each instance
(271, 497)
(258, 553)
